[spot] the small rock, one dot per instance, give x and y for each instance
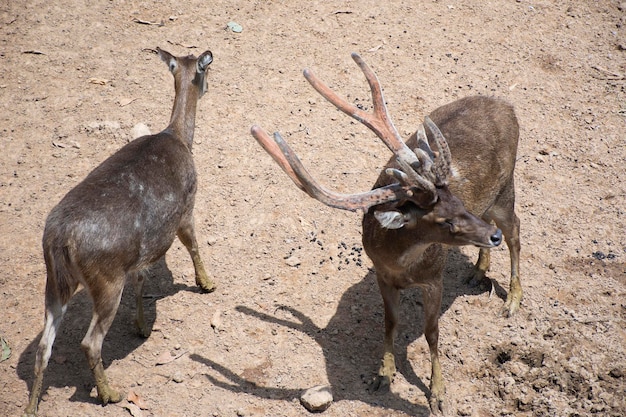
(139, 130)
(216, 320)
(211, 240)
(292, 261)
(616, 373)
(235, 27)
(178, 377)
(317, 399)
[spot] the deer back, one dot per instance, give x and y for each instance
(482, 134)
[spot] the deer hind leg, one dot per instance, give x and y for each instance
(432, 308)
(391, 301)
(106, 299)
(55, 310)
(60, 286)
(187, 236)
(138, 279)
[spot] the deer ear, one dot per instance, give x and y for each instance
(204, 60)
(390, 219)
(168, 58)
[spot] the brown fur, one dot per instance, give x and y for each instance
(416, 208)
(482, 134)
(119, 220)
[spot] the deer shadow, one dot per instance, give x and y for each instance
(68, 365)
(352, 342)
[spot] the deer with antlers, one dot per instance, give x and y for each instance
(423, 202)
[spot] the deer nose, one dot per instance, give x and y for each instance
(496, 238)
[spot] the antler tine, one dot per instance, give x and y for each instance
(282, 153)
(445, 157)
(379, 122)
(275, 152)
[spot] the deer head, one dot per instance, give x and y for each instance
(420, 174)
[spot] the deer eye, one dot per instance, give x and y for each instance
(446, 223)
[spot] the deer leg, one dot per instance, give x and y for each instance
(106, 299)
(140, 321)
(478, 276)
(391, 301)
(187, 235)
(432, 307)
(514, 297)
(55, 310)
(504, 215)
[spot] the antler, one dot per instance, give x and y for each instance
(293, 167)
(416, 167)
(379, 122)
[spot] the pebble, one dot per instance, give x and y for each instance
(317, 399)
(292, 261)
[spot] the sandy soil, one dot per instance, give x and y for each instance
(74, 80)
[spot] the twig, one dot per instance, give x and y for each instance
(607, 75)
(147, 22)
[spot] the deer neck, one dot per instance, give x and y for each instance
(183, 119)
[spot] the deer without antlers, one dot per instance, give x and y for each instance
(121, 219)
(423, 202)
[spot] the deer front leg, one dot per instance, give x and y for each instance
(432, 307)
(510, 229)
(187, 236)
(514, 297)
(391, 299)
(478, 276)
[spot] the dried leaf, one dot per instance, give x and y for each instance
(134, 398)
(5, 350)
(133, 409)
(167, 357)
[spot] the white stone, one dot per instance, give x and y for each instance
(317, 398)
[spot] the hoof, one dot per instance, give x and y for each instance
(509, 309)
(436, 406)
(110, 396)
(208, 288)
(206, 285)
(143, 331)
(478, 280)
(380, 384)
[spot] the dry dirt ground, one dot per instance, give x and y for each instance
(297, 303)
